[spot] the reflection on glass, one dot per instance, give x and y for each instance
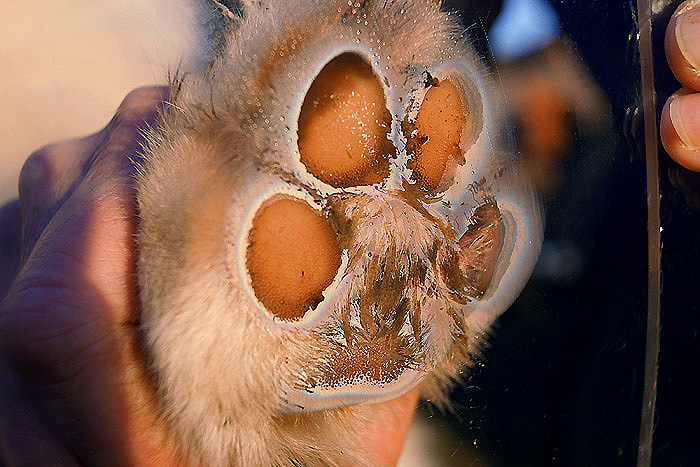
(561, 382)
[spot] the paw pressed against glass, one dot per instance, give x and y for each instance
(331, 215)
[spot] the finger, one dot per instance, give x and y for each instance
(86, 252)
(106, 196)
(47, 178)
(680, 128)
(66, 320)
(114, 161)
(387, 431)
(51, 174)
(10, 235)
(682, 44)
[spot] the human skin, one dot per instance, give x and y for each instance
(69, 323)
(680, 118)
(73, 384)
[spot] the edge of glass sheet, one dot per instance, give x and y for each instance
(644, 16)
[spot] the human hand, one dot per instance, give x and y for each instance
(680, 118)
(74, 388)
(69, 322)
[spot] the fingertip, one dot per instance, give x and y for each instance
(680, 128)
(145, 97)
(124, 136)
(36, 171)
(46, 179)
(682, 44)
(140, 108)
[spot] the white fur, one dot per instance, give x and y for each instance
(228, 375)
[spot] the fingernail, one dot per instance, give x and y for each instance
(685, 117)
(688, 36)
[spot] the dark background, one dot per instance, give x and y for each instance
(561, 383)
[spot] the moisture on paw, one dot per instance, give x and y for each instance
(322, 227)
(379, 360)
(480, 246)
(292, 257)
(468, 270)
(344, 123)
(434, 137)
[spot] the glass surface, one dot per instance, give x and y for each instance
(676, 431)
(562, 380)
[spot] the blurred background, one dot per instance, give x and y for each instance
(561, 382)
(65, 66)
